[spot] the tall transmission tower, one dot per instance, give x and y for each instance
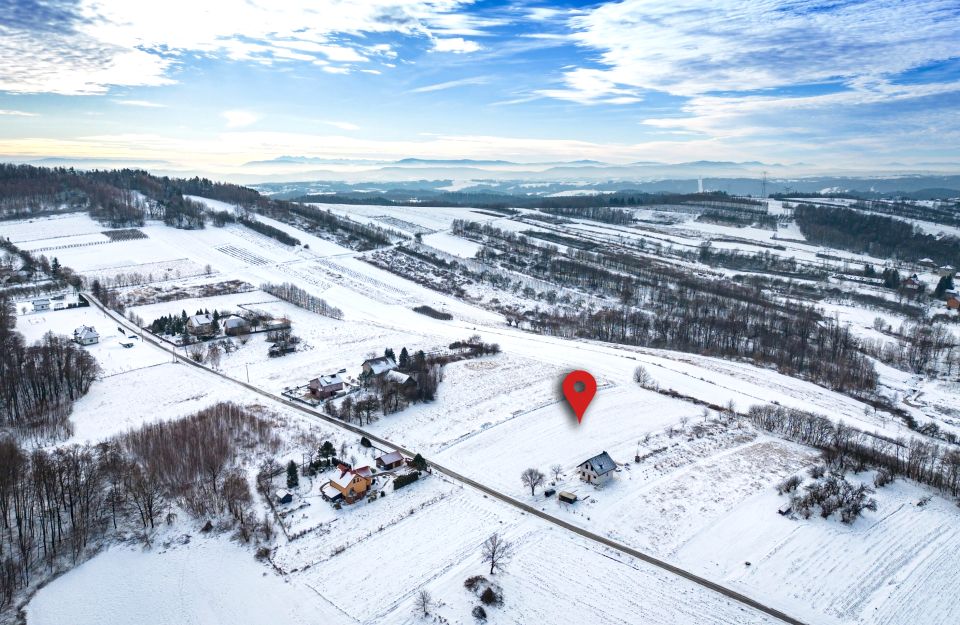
(700, 184)
(763, 186)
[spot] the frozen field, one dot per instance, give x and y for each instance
(702, 499)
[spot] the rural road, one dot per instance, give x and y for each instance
(666, 566)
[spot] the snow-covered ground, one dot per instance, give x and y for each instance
(704, 499)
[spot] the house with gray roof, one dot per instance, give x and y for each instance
(598, 469)
(86, 335)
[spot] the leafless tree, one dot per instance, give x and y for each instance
(532, 478)
(556, 470)
(213, 355)
(423, 602)
(642, 377)
(497, 551)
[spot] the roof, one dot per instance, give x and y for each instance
(235, 322)
(201, 319)
(327, 380)
(282, 493)
(391, 458)
(363, 471)
(380, 365)
(343, 480)
(602, 463)
(396, 376)
(86, 332)
(330, 491)
(40, 301)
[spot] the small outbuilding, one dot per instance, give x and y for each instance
(784, 510)
(236, 325)
(567, 497)
(86, 335)
(390, 461)
(597, 469)
(41, 305)
(402, 380)
(284, 496)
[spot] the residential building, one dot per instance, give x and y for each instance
(86, 335)
(596, 470)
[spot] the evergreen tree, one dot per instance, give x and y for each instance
(404, 362)
(945, 284)
(389, 354)
(293, 477)
(55, 266)
(419, 463)
(327, 449)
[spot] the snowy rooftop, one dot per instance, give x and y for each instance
(380, 365)
(396, 376)
(602, 463)
(390, 458)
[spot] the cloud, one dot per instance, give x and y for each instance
(87, 46)
(17, 113)
(450, 84)
(239, 119)
(141, 103)
(341, 125)
(456, 45)
(695, 47)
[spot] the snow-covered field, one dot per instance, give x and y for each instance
(703, 498)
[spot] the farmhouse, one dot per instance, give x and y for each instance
(200, 325)
(86, 335)
(351, 485)
(390, 461)
(325, 386)
(41, 305)
(236, 325)
(597, 469)
(377, 366)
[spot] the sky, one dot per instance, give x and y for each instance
(207, 85)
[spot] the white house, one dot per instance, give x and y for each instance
(41, 305)
(596, 470)
(86, 335)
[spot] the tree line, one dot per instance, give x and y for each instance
(299, 297)
(881, 236)
(846, 447)
(59, 506)
(665, 306)
(39, 382)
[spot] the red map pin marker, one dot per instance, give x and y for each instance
(579, 387)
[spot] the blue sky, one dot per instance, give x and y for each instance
(207, 86)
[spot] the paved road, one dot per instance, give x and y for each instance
(696, 579)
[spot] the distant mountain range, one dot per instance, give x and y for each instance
(497, 175)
